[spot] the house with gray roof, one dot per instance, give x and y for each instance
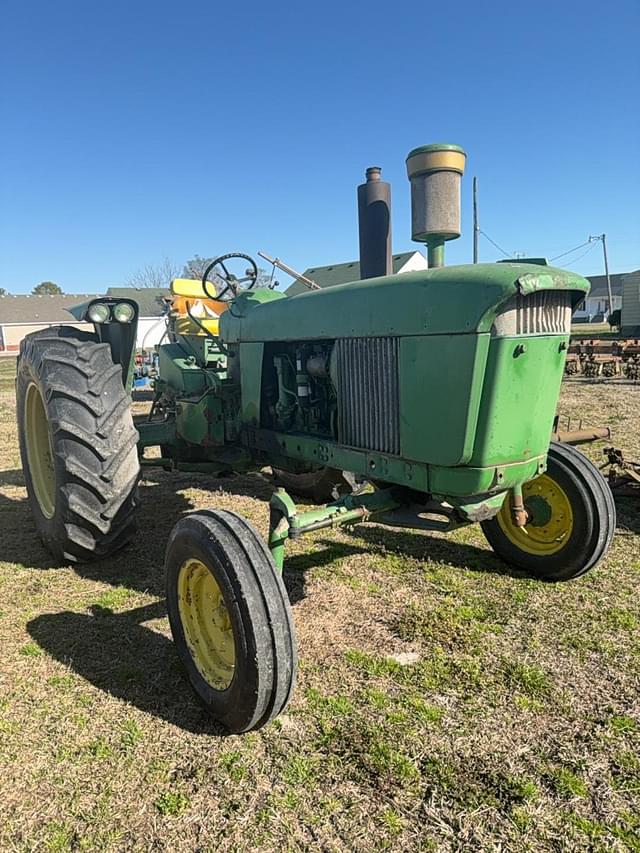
(22, 314)
(595, 306)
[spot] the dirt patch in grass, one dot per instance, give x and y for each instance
(442, 703)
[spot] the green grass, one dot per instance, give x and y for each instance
(441, 703)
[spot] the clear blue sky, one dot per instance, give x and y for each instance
(137, 131)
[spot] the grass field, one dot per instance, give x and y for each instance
(442, 703)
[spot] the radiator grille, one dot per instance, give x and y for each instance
(367, 386)
(546, 312)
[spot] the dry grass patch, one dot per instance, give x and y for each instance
(442, 703)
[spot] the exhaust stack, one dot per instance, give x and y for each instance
(374, 224)
(435, 172)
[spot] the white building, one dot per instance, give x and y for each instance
(595, 307)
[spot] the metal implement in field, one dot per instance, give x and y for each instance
(437, 388)
(608, 358)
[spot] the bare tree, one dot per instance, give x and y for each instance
(196, 267)
(155, 275)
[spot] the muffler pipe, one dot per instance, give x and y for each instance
(374, 225)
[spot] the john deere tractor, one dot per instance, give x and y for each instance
(422, 400)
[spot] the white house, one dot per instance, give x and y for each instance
(595, 308)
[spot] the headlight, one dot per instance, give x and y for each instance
(123, 312)
(99, 313)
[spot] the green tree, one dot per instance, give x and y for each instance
(614, 318)
(3, 291)
(46, 288)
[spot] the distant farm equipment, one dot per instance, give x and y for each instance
(622, 475)
(609, 358)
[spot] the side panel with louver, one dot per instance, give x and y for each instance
(368, 400)
(547, 312)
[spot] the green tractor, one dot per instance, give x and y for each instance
(423, 400)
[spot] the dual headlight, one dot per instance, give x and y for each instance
(121, 312)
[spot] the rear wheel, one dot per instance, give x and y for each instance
(77, 443)
(230, 619)
(571, 522)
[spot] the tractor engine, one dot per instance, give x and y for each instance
(298, 392)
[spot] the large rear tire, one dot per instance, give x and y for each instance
(230, 619)
(572, 519)
(77, 443)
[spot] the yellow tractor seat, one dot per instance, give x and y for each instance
(189, 298)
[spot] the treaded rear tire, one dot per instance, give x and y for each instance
(258, 609)
(93, 443)
(594, 520)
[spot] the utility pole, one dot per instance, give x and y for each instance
(603, 239)
(476, 225)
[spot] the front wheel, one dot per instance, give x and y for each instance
(572, 519)
(230, 619)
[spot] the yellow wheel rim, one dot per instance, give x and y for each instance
(39, 451)
(206, 624)
(550, 521)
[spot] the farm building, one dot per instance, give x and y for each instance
(350, 271)
(630, 319)
(20, 315)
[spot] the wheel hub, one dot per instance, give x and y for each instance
(206, 624)
(39, 451)
(550, 522)
(539, 511)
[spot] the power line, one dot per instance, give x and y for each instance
(575, 249)
(575, 260)
(493, 243)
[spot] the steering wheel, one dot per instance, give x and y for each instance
(231, 282)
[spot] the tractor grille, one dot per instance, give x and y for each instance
(547, 312)
(367, 384)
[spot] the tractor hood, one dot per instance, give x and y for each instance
(446, 300)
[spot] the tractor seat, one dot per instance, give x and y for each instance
(188, 296)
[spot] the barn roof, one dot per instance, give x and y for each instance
(341, 273)
(149, 299)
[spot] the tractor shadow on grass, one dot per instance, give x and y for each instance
(140, 565)
(131, 662)
(421, 546)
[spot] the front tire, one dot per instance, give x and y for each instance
(572, 519)
(230, 618)
(77, 443)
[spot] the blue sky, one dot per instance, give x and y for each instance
(137, 131)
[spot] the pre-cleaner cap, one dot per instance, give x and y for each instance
(435, 172)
